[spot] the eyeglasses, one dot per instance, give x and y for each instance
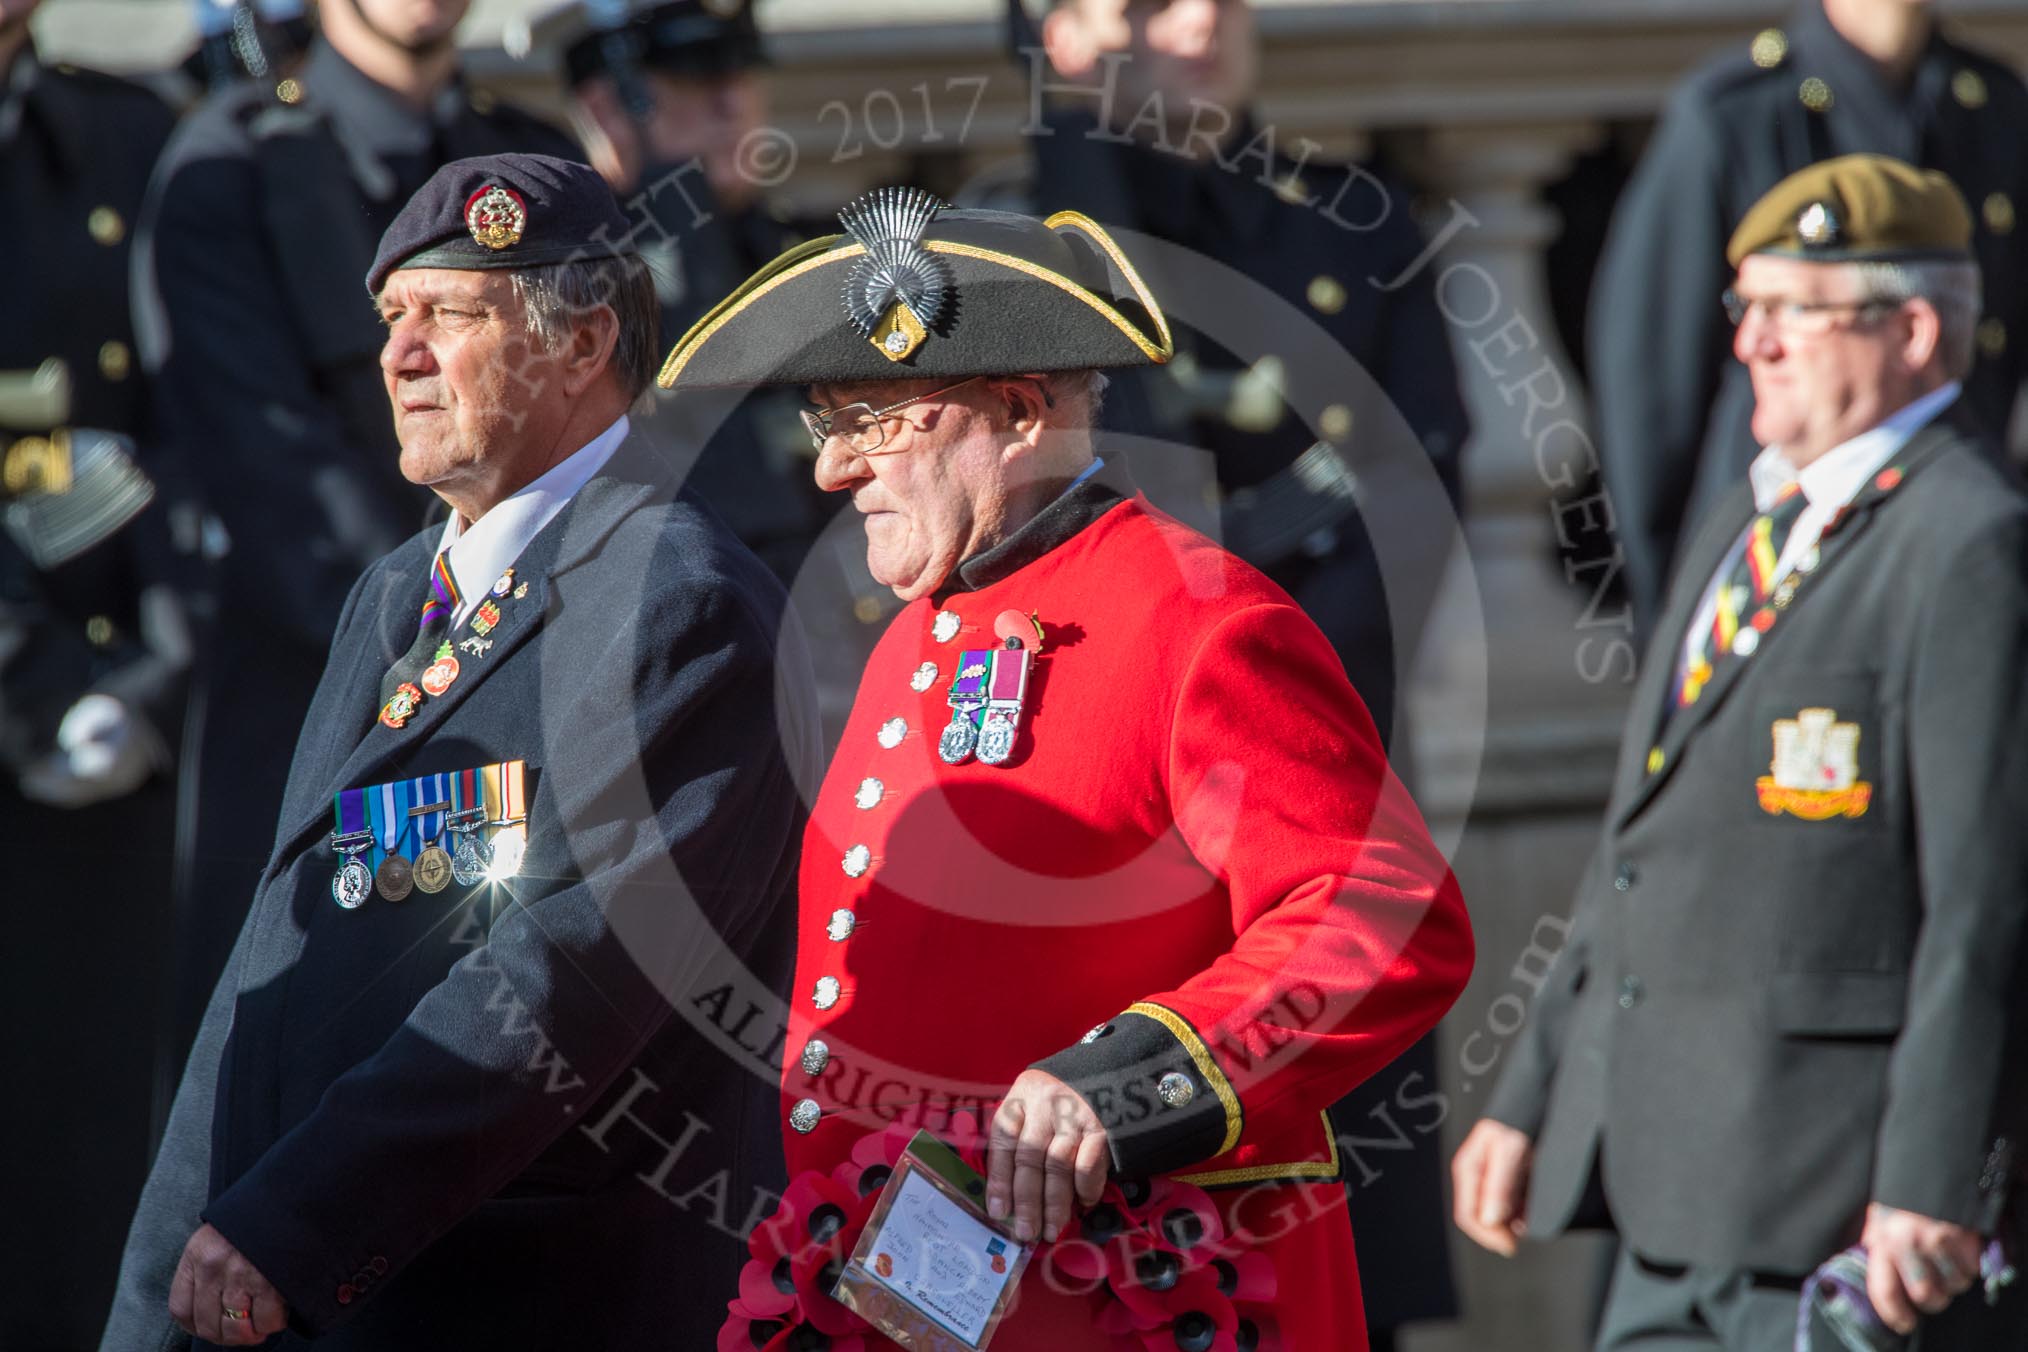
(1798, 316)
(859, 425)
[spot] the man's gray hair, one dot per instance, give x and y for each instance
(1951, 286)
(555, 297)
(1079, 395)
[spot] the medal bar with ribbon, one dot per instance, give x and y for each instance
(432, 863)
(1003, 706)
(967, 696)
(353, 882)
(393, 873)
(393, 836)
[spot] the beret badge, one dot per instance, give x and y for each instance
(899, 290)
(1818, 226)
(496, 216)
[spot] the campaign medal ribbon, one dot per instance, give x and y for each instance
(468, 815)
(353, 882)
(1005, 696)
(432, 862)
(393, 876)
(967, 696)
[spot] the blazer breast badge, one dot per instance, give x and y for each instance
(1815, 771)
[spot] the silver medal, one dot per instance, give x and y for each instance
(960, 736)
(473, 859)
(996, 738)
(352, 884)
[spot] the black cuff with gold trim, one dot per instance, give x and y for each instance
(1151, 1080)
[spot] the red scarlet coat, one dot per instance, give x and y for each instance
(1195, 892)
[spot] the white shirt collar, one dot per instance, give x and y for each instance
(1835, 477)
(482, 551)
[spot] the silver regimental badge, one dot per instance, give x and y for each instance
(899, 290)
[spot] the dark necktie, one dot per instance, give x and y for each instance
(433, 630)
(1749, 578)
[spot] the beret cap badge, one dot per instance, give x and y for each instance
(898, 291)
(496, 216)
(1818, 226)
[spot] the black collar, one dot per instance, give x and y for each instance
(1054, 525)
(30, 92)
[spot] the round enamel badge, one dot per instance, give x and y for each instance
(496, 216)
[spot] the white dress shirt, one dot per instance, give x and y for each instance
(483, 550)
(1829, 483)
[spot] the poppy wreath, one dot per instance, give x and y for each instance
(795, 1256)
(1176, 1282)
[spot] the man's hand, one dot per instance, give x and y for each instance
(1045, 1142)
(1489, 1185)
(214, 1277)
(1914, 1263)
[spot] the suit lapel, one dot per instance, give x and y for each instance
(1638, 783)
(631, 477)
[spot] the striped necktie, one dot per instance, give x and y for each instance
(1748, 579)
(433, 629)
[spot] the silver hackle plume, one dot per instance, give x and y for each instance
(890, 223)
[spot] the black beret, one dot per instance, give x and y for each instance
(503, 211)
(918, 289)
(683, 37)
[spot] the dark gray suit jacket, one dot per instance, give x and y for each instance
(429, 1133)
(1762, 1022)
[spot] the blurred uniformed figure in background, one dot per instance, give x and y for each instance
(663, 96)
(261, 353)
(93, 655)
(1201, 172)
(260, 40)
(1843, 76)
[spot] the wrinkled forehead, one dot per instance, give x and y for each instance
(434, 286)
(1797, 278)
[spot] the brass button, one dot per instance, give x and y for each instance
(1816, 95)
(1969, 89)
(482, 101)
(1998, 210)
(289, 91)
(866, 610)
(868, 795)
(1175, 1089)
(99, 631)
(857, 860)
(816, 1056)
(925, 676)
(827, 992)
(106, 226)
(843, 922)
(805, 1116)
(115, 361)
(1327, 295)
(1293, 190)
(891, 733)
(1770, 45)
(1336, 422)
(1655, 759)
(1992, 335)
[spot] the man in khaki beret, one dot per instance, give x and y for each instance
(1788, 1022)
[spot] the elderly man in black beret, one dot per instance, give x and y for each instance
(544, 799)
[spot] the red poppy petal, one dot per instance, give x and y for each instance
(758, 1293)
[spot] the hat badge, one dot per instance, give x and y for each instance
(496, 216)
(899, 290)
(1818, 225)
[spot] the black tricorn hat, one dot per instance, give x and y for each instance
(915, 289)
